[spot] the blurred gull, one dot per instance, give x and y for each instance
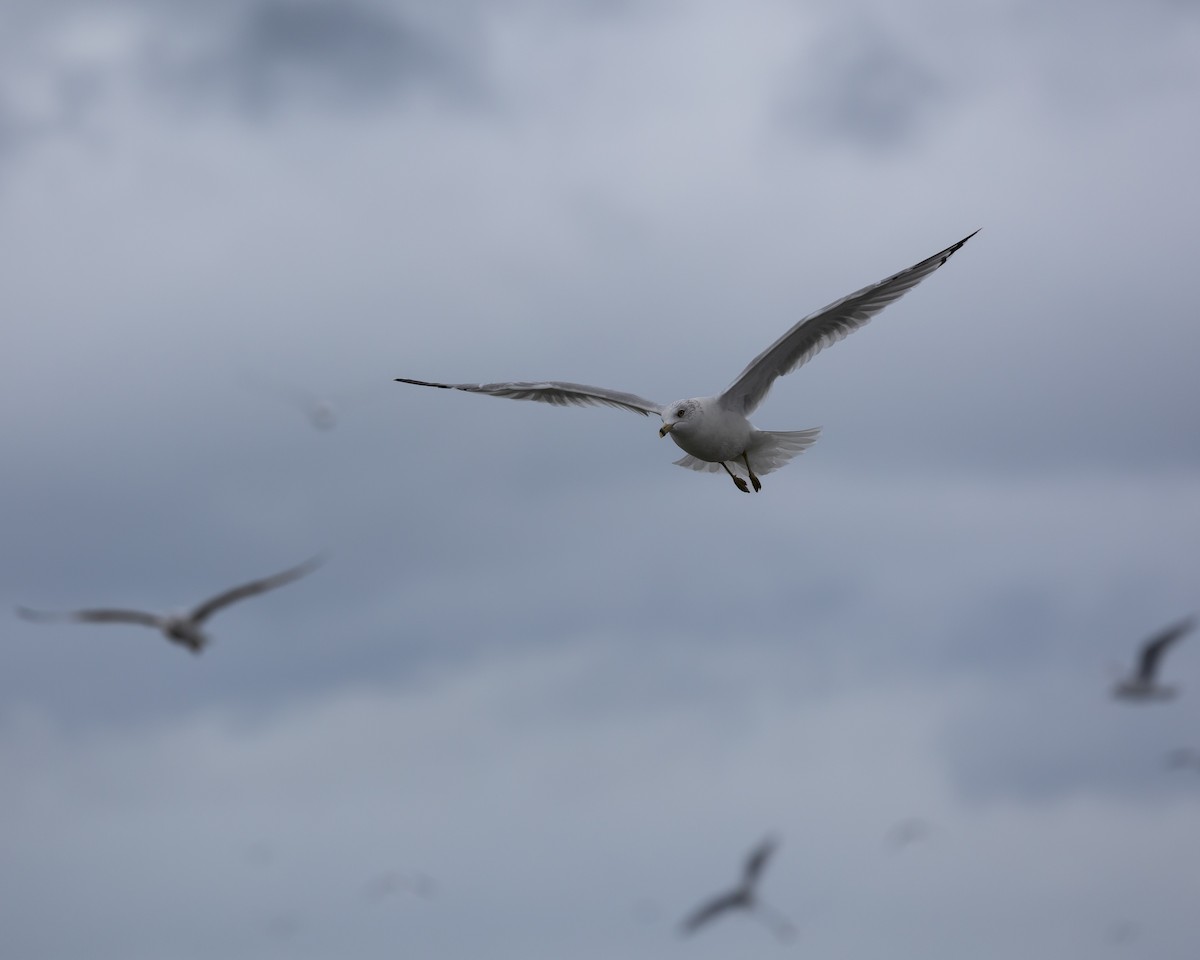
(909, 831)
(743, 897)
(181, 628)
(1143, 685)
(320, 412)
(713, 431)
(419, 885)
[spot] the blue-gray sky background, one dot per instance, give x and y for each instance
(568, 680)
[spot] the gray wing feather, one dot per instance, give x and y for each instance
(555, 392)
(757, 860)
(93, 616)
(712, 908)
(818, 330)
(209, 607)
(1156, 646)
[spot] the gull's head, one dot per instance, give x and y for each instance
(681, 416)
(182, 629)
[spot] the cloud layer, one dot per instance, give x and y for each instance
(567, 680)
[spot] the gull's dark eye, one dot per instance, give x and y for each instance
(680, 412)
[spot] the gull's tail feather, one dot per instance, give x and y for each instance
(769, 450)
(772, 449)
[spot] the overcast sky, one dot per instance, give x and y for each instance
(568, 681)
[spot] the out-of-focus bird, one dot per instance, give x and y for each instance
(320, 412)
(908, 831)
(743, 897)
(182, 628)
(1124, 931)
(385, 884)
(1142, 685)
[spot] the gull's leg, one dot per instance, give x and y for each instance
(753, 479)
(741, 484)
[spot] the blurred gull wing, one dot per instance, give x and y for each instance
(757, 860)
(713, 908)
(828, 325)
(552, 391)
(93, 616)
(1156, 646)
(254, 587)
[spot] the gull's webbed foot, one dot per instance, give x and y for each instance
(738, 481)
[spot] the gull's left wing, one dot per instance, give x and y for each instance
(1156, 646)
(209, 607)
(819, 330)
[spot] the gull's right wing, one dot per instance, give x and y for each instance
(711, 909)
(93, 616)
(552, 391)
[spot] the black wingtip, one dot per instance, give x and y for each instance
(423, 383)
(958, 246)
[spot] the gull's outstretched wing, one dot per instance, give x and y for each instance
(822, 328)
(552, 391)
(209, 607)
(757, 860)
(93, 616)
(713, 908)
(1156, 646)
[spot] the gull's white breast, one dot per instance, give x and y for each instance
(718, 433)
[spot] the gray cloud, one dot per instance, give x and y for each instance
(62, 105)
(860, 85)
(277, 54)
(537, 642)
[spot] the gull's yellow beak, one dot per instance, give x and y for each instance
(666, 428)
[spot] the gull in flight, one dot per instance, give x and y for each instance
(713, 431)
(743, 897)
(1143, 684)
(182, 628)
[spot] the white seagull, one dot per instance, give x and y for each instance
(182, 628)
(743, 897)
(713, 431)
(1143, 684)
